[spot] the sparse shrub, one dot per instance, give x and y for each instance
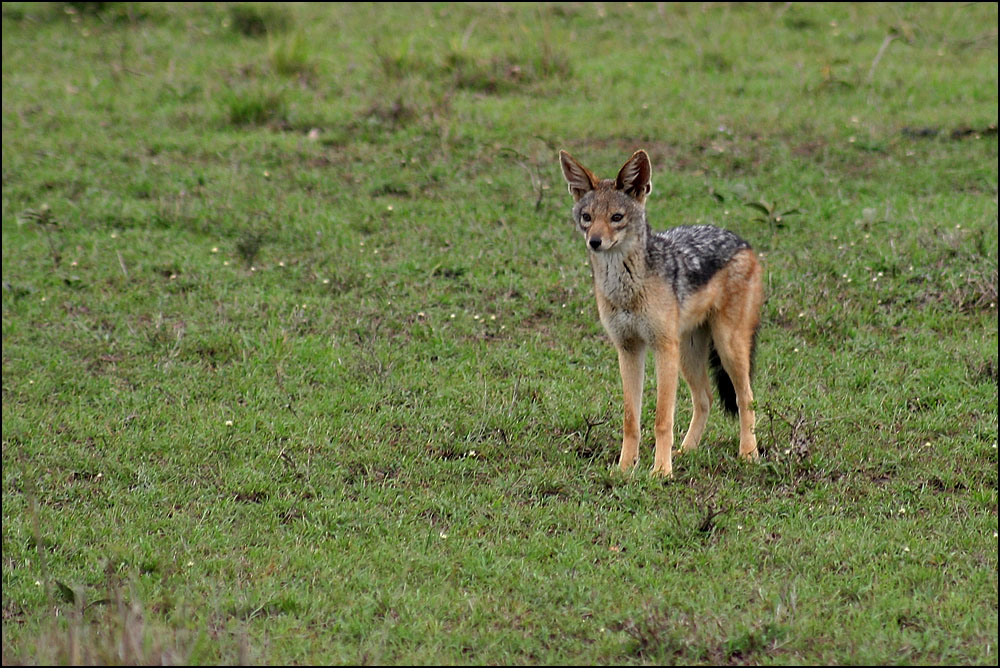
(255, 107)
(395, 60)
(249, 245)
(109, 632)
(47, 222)
(290, 56)
(257, 20)
(89, 7)
(504, 72)
(112, 12)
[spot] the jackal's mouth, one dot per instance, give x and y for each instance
(601, 248)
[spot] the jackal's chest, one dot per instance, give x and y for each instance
(632, 303)
(645, 318)
(624, 325)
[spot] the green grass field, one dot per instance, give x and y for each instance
(301, 361)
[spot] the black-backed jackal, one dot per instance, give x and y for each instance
(693, 294)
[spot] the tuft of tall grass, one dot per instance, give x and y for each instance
(291, 55)
(255, 106)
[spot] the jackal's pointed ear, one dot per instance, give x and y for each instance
(634, 176)
(580, 179)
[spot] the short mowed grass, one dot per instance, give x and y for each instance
(301, 362)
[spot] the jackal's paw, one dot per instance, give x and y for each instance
(686, 447)
(750, 455)
(625, 465)
(662, 472)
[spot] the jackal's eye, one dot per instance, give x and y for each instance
(585, 217)
(616, 217)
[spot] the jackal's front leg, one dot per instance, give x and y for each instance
(667, 363)
(630, 363)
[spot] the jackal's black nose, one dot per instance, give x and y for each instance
(595, 242)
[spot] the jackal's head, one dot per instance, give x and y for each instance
(610, 213)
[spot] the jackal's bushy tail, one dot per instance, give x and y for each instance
(724, 385)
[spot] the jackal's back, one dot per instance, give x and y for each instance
(690, 255)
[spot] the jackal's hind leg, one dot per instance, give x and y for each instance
(694, 366)
(735, 354)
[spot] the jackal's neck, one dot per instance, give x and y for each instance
(620, 272)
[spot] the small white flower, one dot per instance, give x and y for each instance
(229, 423)
(443, 535)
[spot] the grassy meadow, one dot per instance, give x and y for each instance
(301, 360)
